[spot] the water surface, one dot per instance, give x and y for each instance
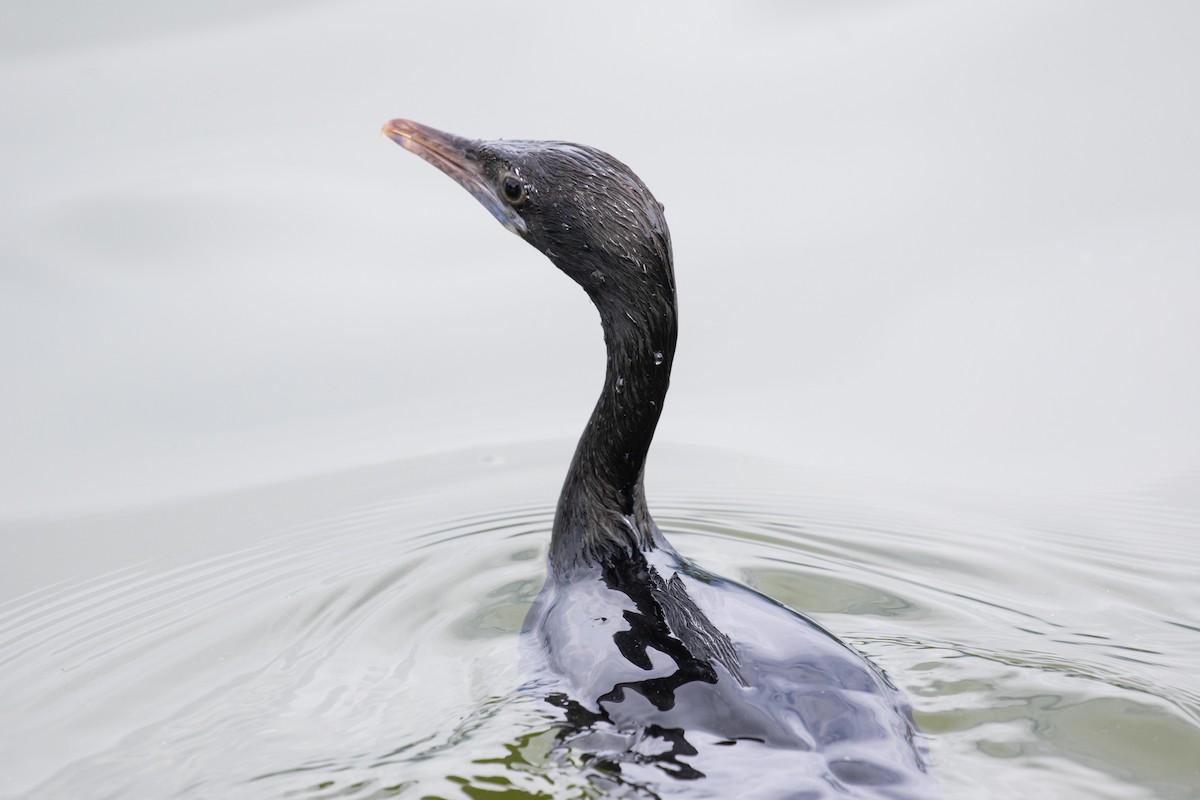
(356, 635)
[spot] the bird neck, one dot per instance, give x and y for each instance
(602, 509)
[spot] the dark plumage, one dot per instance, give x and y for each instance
(660, 667)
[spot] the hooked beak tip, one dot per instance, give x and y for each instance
(399, 131)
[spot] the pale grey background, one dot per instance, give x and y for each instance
(930, 240)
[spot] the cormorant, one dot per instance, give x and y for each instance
(670, 678)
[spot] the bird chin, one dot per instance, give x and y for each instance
(507, 217)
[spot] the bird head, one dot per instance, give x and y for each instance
(588, 212)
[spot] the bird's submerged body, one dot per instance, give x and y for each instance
(668, 679)
(665, 670)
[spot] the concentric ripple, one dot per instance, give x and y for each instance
(356, 635)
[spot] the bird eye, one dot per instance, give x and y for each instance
(514, 190)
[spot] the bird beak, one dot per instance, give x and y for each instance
(457, 157)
